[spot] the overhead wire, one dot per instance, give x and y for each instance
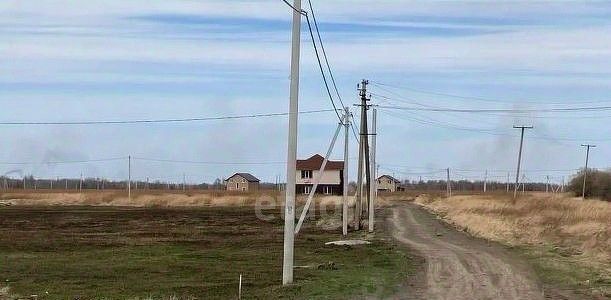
(175, 120)
(477, 98)
(65, 161)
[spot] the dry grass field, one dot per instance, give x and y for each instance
(153, 198)
(567, 239)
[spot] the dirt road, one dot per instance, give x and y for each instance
(457, 265)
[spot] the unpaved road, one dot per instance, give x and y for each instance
(457, 265)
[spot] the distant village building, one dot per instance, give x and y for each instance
(332, 181)
(387, 183)
(244, 182)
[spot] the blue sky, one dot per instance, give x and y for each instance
(108, 60)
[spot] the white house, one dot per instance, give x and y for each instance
(332, 181)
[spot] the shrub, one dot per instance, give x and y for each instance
(598, 184)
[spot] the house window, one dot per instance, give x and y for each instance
(306, 174)
(307, 189)
(328, 190)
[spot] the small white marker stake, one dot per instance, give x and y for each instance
(240, 288)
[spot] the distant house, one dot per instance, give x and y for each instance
(242, 182)
(332, 180)
(388, 183)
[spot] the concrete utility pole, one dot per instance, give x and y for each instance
(547, 184)
(508, 182)
(346, 159)
(562, 187)
(129, 177)
(585, 170)
(363, 156)
(184, 182)
(485, 180)
(448, 183)
(80, 185)
(291, 162)
(373, 179)
(515, 191)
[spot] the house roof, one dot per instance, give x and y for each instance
(390, 177)
(315, 162)
(249, 177)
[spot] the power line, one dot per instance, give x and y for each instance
(322, 72)
(64, 162)
(324, 53)
(472, 110)
(478, 98)
(177, 120)
(437, 123)
(208, 162)
(301, 12)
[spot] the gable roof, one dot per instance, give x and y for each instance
(249, 177)
(390, 177)
(315, 162)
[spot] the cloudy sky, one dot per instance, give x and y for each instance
(141, 59)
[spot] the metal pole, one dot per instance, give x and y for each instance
(515, 192)
(291, 162)
(345, 192)
(585, 170)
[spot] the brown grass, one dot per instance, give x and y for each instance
(192, 198)
(579, 228)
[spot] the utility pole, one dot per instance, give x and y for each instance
(80, 185)
(291, 162)
(129, 177)
(507, 182)
(448, 184)
(346, 159)
(585, 170)
(184, 182)
(547, 184)
(373, 179)
(485, 180)
(363, 156)
(562, 187)
(515, 192)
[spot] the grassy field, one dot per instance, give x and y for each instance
(565, 239)
(153, 253)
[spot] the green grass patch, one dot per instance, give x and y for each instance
(106, 253)
(565, 271)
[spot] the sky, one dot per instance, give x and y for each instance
(66, 60)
